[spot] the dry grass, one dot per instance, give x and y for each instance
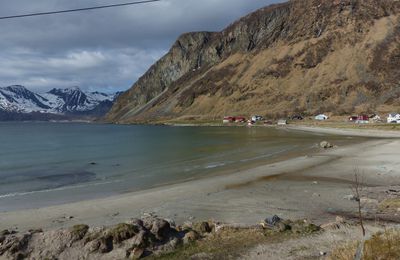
(383, 245)
(390, 205)
(345, 252)
(227, 244)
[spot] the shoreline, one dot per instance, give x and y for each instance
(372, 133)
(286, 188)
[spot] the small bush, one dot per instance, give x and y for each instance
(345, 252)
(389, 205)
(382, 245)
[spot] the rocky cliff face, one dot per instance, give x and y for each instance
(303, 56)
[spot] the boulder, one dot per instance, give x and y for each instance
(171, 223)
(325, 145)
(136, 222)
(141, 239)
(122, 232)
(160, 229)
(15, 245)
(93, 246)
(147, 222)
(282, 227)
(340, 219)
(171, 245)
(137, 253)
(3, 235)
(273, 221)
(105, 244)
(202, 227)
(5, 232)
(190, 237)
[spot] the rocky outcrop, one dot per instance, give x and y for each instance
(303, 56)
(131, 240)
(155, 237)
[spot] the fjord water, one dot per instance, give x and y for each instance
(44, 164)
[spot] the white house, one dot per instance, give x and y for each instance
(282, 122)
(321, 117)
(256, 118)
(393, 118)
(376, 118)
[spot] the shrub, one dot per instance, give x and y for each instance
(383, 245)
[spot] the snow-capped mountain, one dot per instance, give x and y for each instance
(75, 100)
(70, 101)
(21, 100)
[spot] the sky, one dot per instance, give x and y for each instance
(101, 50)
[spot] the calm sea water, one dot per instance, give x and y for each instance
(44, 164)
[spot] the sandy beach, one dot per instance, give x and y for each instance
(311, 186)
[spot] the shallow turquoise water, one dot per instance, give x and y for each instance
(50, 163)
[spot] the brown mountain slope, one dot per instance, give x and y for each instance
(308, 56)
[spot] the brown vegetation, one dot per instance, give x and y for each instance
(383, 245)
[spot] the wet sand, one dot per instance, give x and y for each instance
(347, 131)
(312, 187)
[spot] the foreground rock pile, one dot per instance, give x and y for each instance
(131, 240)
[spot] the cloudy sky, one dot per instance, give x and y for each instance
(106, 49)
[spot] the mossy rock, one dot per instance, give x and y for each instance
(282, 227)
(93, 236)
(301, 227)
(122, 232)
(190, 237)
(79, 231)
(5, 232)
(202, 227)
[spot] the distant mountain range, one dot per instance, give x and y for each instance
(19, 103)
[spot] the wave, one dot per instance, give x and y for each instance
(25, 193)
(215, 165)
(221, 164)
(268, 155)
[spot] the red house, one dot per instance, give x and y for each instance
(228, 119)
(363, 118)
(240, 119)
(234, 119)
(353, 118)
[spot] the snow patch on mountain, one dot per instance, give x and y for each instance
(57, 101)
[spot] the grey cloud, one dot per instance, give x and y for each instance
(105, 49)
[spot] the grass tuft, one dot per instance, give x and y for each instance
(382, 245)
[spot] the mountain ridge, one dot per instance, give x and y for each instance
(17, 101)
(296, 57)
